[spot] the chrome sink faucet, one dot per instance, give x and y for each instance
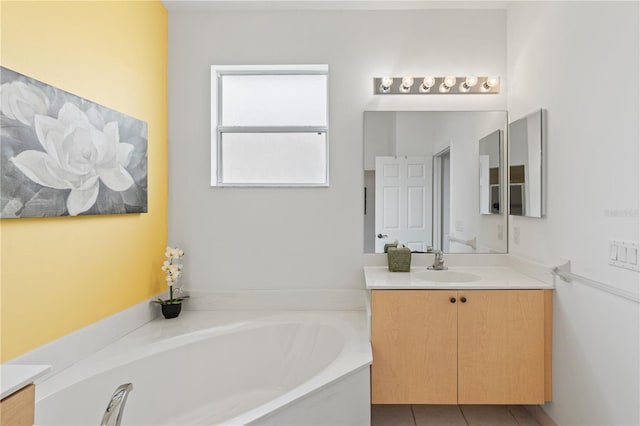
(438, 261)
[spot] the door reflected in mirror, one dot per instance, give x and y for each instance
(425, 172)
(526, 165)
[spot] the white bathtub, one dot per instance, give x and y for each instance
(228, 368)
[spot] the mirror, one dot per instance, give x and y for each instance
(423, 181)
(526, 165)
(490, 188)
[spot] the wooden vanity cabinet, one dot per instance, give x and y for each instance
(17, 409)
(414, 341)
(460, 346)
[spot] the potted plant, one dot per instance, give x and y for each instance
(172, 306)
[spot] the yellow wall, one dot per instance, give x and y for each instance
(62, 274)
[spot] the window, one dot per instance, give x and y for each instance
(269, 125)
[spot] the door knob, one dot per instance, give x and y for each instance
(463, 299)
(382, 236)
(452, 300)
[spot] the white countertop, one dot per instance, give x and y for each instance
(491, 277)
(15, 377)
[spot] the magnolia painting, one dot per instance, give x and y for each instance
(62, 155)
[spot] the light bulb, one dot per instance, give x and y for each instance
(450, 81)
(407, 82)
(385, 84)
(443, 88)
(427, 84)
(468, 83)
(491, 82)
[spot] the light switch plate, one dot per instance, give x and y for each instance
(624, 254)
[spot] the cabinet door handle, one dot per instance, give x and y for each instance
(463, 299)
(452, 300)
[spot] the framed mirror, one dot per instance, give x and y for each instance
(422, 173)
(526, 165)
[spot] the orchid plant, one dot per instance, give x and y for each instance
(172, 270)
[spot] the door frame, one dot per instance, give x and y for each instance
(438, 236)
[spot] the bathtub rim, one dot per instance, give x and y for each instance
(354, 354)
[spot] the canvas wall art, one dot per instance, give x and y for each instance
(63, 155)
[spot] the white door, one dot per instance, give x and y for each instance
(403, 202)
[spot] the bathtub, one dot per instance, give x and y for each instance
(226, 368)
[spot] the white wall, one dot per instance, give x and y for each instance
(380, 131)
(265, 238)
(466, 222)
(565, 57)
(413, 134)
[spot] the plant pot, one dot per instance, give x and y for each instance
(171, 310)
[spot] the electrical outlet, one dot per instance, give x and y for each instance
(500, 232)
(459, 226)
(516, 234)
(624, 254)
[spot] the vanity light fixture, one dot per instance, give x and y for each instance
(469, 84)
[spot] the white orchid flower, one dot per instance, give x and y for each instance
(77, 155)
(22, 101)
(172, 270)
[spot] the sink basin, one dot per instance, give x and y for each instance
(446, 276)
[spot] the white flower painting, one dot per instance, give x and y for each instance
(62, 155)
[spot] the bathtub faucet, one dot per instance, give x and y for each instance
(116, 405)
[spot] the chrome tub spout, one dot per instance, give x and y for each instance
(116, 405)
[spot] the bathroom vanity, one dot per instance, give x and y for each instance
(17, 393)
(467, 335)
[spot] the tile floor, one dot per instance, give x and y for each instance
(451, 415)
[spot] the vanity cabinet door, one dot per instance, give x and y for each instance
(414, 340)
(501, 347)
(17, 409)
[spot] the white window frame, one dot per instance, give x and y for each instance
(217, 71)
